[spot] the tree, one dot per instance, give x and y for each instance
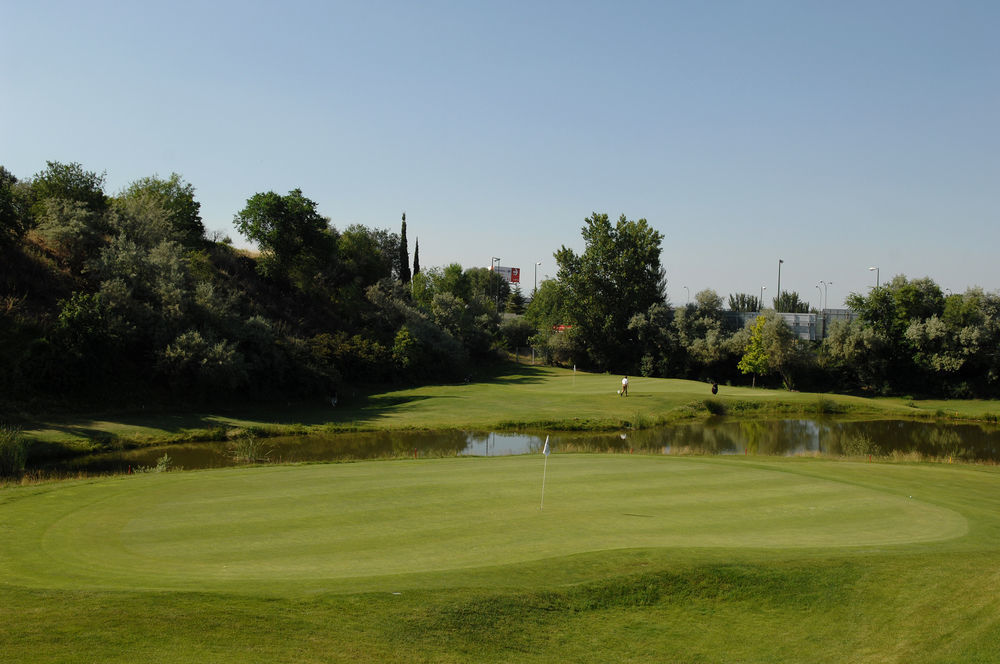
(515, 301)
(547, 308)
(744, 302)
(755, 358)
(13, 212)
(416, 257)
(790, 302)
(296, 243)
(404, 255)
(772, 347)
(175, 197)
(618, 275)
(68, 182)
(652, 329)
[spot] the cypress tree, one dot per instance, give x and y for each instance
(416, 257)
(404, 255)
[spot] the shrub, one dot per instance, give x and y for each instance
(861, 445)
(248, 448)
(163, 464)
(826, 406)
(715, 407)
(13, 451)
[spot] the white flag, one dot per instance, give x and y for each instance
(545, 450)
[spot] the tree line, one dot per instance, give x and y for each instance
(125, 296)
(607, 311)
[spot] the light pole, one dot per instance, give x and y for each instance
(777, 299)
(826, 284)
(493, 282)
(820, 295)
(688, 291)
(536, 280)
(875, 267)
(760, 303)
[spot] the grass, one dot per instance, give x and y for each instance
(634, 558)
(508, 397)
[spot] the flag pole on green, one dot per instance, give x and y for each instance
(545, 467)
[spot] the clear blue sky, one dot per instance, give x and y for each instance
(833, 135)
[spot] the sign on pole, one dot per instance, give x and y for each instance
(511, 274)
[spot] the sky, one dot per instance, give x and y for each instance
(833, 136)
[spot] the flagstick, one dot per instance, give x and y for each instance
(545, 467)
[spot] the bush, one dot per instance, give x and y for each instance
(515, 332)
(715, 407)
(13, 451)
(248, 448)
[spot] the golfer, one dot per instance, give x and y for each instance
(624, 392)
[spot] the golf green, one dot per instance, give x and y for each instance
(305, 528)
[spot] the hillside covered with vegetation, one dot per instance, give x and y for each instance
(123, 298)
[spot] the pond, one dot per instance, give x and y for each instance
(789, 437)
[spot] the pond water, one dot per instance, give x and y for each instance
(918, 440)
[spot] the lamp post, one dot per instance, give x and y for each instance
(777, 298)
(760, 302)
(536, 280)
(493, 283)
(688, 291)
(826, 284)
(875, 267)
(820, 296)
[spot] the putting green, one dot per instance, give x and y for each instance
(249, 528)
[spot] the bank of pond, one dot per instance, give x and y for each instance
(872, 440)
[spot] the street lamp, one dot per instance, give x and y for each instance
(536, 280)
(760, 303)
(820, 295)
(777, 300)
(493, 282)
(826, 284)
(874, 267)
(688, 291)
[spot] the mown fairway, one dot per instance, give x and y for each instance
(633, 558)
(502, 397)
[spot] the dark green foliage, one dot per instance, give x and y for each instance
(404, 255)
(170, 203)
(515, 332)
(790, 302)
(715, 406)
(14, 218)
(13, 451)
(297, 245)
(618, 275)
(68, 182)
(744, 302)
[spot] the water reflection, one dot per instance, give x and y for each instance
(918, 440)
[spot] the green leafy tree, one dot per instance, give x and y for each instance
(772, 348)
(174, 201)
(617, 276)
(790, 302)
(547, 308)
(755, 359)
(72, 229)
(13, 210)
(744, 302)
(296, 243)
(68, 182)
(653, 330)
